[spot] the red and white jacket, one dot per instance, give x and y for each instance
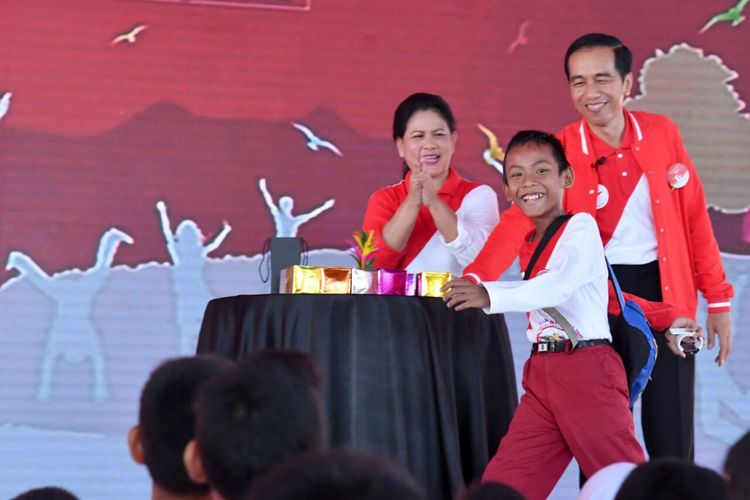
(571, 276)
(476, 211)
(688, 254)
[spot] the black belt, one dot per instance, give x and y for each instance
(564, 345)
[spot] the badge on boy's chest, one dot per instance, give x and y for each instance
(678, 175)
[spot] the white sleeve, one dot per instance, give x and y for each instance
(475, 219)
(576, 260)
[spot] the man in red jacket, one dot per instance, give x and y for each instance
(634, 175)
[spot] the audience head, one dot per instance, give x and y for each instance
(336, 475)
(603, 485)
(424, 130)
(737, 468)
(491, 491)
(253, 416)
(166, 421)
(46, 493)
(669, 479)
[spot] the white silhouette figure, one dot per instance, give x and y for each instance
(314, 142)
(287, 224)
(129, 36)
(723, 405)
(73, 335)
(189, 256)
(5, 104)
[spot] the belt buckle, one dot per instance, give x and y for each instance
(542, 347)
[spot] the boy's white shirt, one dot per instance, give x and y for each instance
(574, 281)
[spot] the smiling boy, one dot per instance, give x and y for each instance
(576, 399)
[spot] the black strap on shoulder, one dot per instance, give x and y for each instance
(548, 234)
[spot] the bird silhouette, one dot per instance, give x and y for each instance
(314, 142)
(493, 155)
(734, 15)
(521, 38)
(130, 35)
(5, 104)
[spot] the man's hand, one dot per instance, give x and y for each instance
(672, 340)
(463, 294)
(720, 325)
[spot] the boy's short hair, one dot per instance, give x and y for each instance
(46, 493)
(343, 475)
(539, 138)
(166, 418)
(253, 416)
(623, 56)
(671, 479)
(737, 468)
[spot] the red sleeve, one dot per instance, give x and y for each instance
(709, 271)
(380, 208)
(501, 248)
(660, 315)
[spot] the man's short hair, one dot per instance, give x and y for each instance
(670, 479)
(539, 138)
(737, 468)
(166, 418)
(256, 414)
(340, 475)
(623, 56)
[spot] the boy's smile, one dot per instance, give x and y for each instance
(535, 182)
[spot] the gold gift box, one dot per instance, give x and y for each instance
(301, 279)
(430, 283)
(316, 280)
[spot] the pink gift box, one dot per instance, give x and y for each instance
(392, 282)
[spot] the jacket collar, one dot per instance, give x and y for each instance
(584, 130)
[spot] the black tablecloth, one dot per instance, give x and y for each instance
(403, 376)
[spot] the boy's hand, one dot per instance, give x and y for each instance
(463, 294)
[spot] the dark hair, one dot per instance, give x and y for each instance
(256, 414)
(46, 493)
(167, 418)
(623, 56)
(737, 468)
(540, 139)
(671, 479)
(420, 101)
(491, 491)
(339, 475)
